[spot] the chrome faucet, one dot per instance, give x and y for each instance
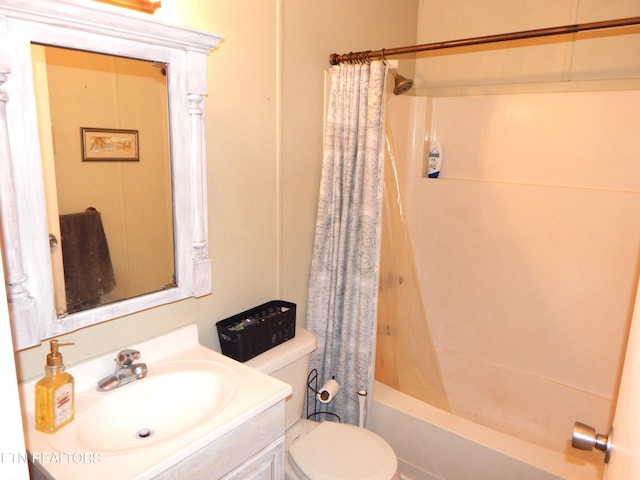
(126, 371)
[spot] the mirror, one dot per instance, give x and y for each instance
(27, 145)
(110, 155)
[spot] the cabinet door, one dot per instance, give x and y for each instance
(266, 465)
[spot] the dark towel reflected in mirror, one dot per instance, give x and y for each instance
(88, 271)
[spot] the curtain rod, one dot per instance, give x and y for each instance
(366, 55)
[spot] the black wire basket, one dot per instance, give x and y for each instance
(254, 331)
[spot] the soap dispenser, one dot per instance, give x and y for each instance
(54, 393)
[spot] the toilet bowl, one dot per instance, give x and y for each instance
(337, 451)
(321, 450)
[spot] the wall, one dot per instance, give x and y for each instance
(551, 63)
(264, 132)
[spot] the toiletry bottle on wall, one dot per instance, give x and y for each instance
(54, 393)
(435, 159)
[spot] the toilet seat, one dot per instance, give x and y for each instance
(338, 451)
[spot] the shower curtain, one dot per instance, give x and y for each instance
(343, 282)
(406, 357)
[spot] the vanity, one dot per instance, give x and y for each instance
(197, 414)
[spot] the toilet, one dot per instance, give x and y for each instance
(325, 450)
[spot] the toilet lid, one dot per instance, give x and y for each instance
(337, 451)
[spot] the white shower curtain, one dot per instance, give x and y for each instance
(343, 282)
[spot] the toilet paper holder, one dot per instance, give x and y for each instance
(319, 397)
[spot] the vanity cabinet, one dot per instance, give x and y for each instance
(253, 451)
(267, 465)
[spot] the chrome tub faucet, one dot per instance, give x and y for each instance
(126, 371)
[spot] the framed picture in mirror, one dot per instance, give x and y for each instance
(107, 144)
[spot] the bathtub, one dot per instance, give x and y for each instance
(432, 444)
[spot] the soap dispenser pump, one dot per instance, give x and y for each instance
(54, 393)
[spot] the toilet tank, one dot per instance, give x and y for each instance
(289, 363)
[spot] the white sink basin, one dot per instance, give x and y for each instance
(172, 399)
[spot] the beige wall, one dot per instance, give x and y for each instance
(549, 63)
(264, 133)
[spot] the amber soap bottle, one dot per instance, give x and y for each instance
(54, 393)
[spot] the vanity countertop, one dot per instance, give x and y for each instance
(62, 453)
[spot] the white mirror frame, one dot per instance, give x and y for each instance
(25, 244)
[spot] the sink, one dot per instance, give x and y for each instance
(174, 398)
(190, 400)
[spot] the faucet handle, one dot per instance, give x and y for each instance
(127, 356)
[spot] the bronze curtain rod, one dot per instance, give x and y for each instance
(367, 55)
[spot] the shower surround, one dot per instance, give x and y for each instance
(526, 250)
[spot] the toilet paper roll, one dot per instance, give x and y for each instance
(328, 391)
